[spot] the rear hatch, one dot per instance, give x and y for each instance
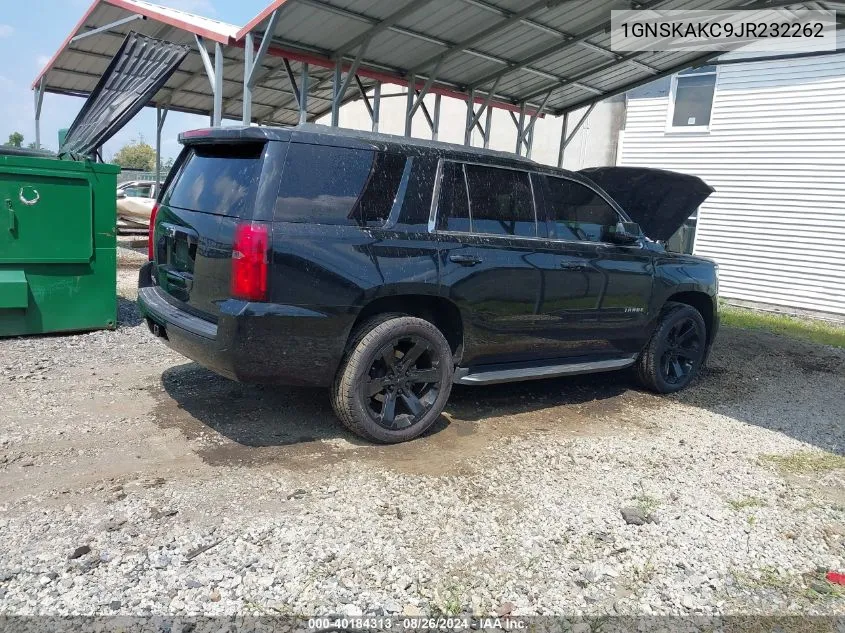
(214, 189)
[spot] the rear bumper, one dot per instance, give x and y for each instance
(252, 342)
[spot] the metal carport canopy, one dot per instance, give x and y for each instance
(546, 55)
(84, 55)
(527, 56)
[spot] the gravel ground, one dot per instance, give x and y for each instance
(133, 481)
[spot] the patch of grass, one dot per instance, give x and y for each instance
(810, 586)
(769, 577)
(804, 462)
(816, 331)
(647, 504)
(746, 502)
(641, 576)
(823, 590)
(448, 601)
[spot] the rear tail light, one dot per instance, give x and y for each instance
(249, 262)
(151, 249)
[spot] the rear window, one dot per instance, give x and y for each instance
(338, 185)
(219, 179)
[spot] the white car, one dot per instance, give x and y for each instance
(135, 201)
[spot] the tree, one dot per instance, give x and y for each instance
(136, 155)
(15, 140)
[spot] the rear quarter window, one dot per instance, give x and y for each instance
(338, 185)
(219, 179)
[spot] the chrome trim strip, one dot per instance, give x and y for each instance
(465, 376)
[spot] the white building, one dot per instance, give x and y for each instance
(593, 145)
(770, 138)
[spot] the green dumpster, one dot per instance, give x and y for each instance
(58, 248)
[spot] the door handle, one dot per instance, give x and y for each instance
(572, 266)
(465, 260)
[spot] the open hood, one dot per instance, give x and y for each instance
(135, 74)
(656, 199)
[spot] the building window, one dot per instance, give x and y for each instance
(691, 99)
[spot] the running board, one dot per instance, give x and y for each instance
(466, 376)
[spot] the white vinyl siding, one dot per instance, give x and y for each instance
(775, 153)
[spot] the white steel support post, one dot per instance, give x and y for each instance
(529, 142)
(526, 137)
(426, 113)
(485, 107)
(39, 100)
(249, 66)
(303, 95)
(470, 116)
(488, 124)
(409, 105)
(161, 115)
(341, 83)
(215, 77)
(562, 140)
(420, 94)
(577, 127)
(252, 63)
(218, 84)
(435, 129)
(519, 128)
(376, 105)
(338, 77)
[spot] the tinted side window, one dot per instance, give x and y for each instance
(381, 189)
(220, 179)
(578, 210)
(500, 201)
(453, 206)
(338, 185)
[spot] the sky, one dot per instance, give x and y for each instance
(31, 31)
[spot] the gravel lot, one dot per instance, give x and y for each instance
(133, 481)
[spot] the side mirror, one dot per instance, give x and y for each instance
(626, 233)
(121, 194)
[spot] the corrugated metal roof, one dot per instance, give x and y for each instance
(521, 50)
(555, 47)
(78, 64)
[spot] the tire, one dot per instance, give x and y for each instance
(380, 392)
(676, 351)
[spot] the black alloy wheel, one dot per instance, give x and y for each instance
(395, 378)
(676, 350)
(683, 351)
(403, 383)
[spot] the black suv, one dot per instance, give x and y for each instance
(390, 268)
